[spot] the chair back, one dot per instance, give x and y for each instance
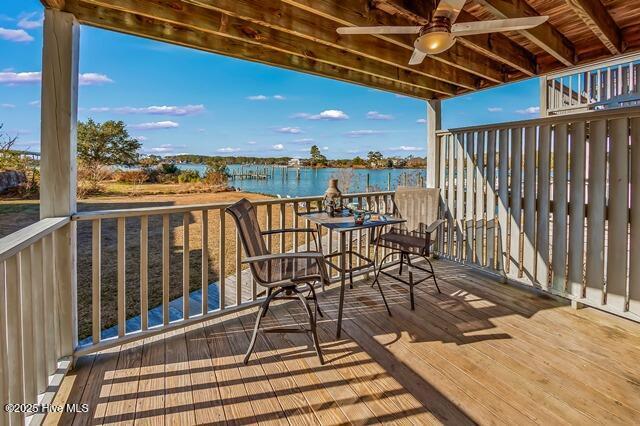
(246, 219)
(418, 206)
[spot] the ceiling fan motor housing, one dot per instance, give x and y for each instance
(435, 37)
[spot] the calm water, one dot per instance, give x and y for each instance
(314, 181)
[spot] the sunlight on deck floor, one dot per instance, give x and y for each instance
(480, 352)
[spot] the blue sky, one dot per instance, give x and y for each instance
(177, 100)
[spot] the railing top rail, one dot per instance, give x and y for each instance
(556, 119)
(150, 211)
(19, 240)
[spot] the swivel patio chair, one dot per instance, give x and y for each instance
(419, 207)
(284, 275)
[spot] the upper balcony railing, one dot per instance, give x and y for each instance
(602, 86)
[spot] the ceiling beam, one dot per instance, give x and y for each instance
(597, 18)
(362, 13)
(53, 4)
(546, 36)
(130, 23)
(214, 22)
(317, 31)
(496, 47)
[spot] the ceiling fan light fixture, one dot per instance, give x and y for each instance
(435, 42)
(436, 37)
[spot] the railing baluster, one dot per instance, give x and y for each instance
(529, 216)
(144, 272)
(492, 225)
(121, 292)
(576, 209)
(26, 287)
(515, 211)
(479, 216)
(559, 242)
(50, 319)
(542, 228)
(165, 268)
(634, 246)
(221, 261)
(460, 197)
(4, 362)
(38, 317)
(618, 214)
(14, 336)
(295, 225)
(185, 265)
(283, 218)
(204, 235)
(503, 201)
(96, 265)
(470, 197)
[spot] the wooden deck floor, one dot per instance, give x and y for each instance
(480, 352)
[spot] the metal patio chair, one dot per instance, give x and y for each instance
(284, 275)
(419, 207)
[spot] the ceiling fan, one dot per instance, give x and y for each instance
(441, 32)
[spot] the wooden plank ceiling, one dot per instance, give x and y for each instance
(301, 35)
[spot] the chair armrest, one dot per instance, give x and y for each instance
(276, 256)
(282, 231)
(435, 225)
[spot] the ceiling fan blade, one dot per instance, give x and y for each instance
(483, 27)
(417, 57)
(379, 30)
(450, 9)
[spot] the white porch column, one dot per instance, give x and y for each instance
(58, 159)
(434, 123)
(544, 96)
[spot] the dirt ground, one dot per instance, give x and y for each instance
(15, 215)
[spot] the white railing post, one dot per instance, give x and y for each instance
(434, 123)
(58, 161)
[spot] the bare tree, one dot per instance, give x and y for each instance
(6, 141)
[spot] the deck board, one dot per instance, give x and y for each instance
(479, 352)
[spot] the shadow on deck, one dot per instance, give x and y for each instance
(480, 352)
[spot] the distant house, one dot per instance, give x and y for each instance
(294, 162)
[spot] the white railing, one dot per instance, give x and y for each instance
(32, 315)
(607, 85)
(153, 246)
(553, 203)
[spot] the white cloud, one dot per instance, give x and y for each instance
(375, 115)
(304, 140)
(92, 78)
(325, 148)
(252, 142)
(12, 78)
(170, 110)
(34, 77)
(421, 120)
(141, 138)
(530, 110)
(361, 133)
(18, 36)
(7, 106)
(35, 103)
(291, 130)
(28, 22)
(278, 147)
(328, 114)
(155, 125)
(494, 109)
(406, 148)
(257, 98)
(279, 97)
(164, 149)
(228, 149)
